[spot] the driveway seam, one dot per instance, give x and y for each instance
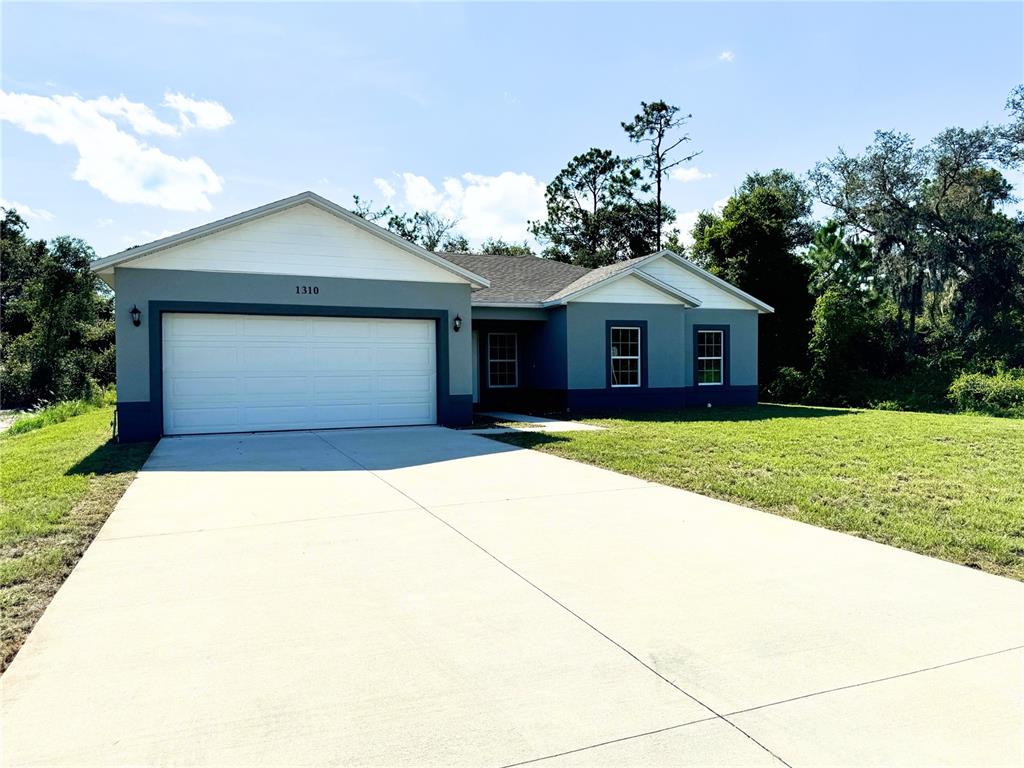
(610, 741)
(876, 680)
(563, 606)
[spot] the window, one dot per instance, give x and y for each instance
(502, 354)
(710, 358)
(625, 357)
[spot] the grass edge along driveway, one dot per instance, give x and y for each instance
(58, 485)
(947, 486)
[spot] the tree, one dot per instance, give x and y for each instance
(499, 247)
(593, 214)
(754, 245)
(653, 125)
(943, 245)
(427, 229)
(57, 319)
(840, 260)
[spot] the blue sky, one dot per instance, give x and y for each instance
(466, 109)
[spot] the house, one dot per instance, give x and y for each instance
(300, 315)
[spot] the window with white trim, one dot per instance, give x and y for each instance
(710, 358)
(625, 356)
(502, 360)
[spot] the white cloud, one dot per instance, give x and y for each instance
(385, 189)
(27, 212)
(726, 56)
(104, 223)
(486, 206)
(209, 115)
(111, 160)
(140, 117)
(688, 173)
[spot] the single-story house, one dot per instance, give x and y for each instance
(301, 315)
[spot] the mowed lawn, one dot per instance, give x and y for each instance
(949, 486)
(58, 484)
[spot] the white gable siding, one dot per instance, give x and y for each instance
(627, 290)
(303, 240)
(709, 294)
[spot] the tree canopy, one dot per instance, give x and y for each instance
(58, 331)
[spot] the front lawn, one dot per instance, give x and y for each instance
(949, 486)
(58, 484)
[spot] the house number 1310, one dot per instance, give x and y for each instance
(305, 290)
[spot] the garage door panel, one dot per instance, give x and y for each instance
(197, 419)
(343, 414)
(203, 386)
(275, 385)
(344, 358)
(403, 331)
(231, 373)
(275, 416)
(202, 326)
(188, 357)
(276, 358)
(403, 412)
(406, 384)
(327, 328)
(261, 327)
(342, 386)
(404, 358)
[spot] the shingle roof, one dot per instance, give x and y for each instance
(519, 279)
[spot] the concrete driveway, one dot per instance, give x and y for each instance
(427, 597)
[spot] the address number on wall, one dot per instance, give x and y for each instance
(307, 290)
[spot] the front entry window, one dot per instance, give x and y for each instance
(710, 357)
(502, 360)
(625, 356)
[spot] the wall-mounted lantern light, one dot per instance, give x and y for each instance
(457, 324)
(136, 315)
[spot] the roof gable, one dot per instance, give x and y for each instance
(301, 235)
(630, 288)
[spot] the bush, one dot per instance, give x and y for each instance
(998, 394)
(788, 386)
(58, 412)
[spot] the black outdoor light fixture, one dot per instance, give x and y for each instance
(136, 315)
(457, 323)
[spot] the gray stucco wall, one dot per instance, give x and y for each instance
(742, 342)
(140, 286)
(669, 342)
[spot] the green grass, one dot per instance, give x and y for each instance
(58, 412)
(59, 483)
(949, 486)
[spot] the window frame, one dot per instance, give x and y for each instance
(641, 353)
(514, 359)
(723, 359)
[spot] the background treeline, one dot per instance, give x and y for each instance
(57, 327)
(905, 291)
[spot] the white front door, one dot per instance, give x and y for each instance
(251, 373)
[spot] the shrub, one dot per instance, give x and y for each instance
(58, 412)
(997, 394)
(788, 386)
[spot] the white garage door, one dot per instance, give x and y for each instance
(248, 373)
